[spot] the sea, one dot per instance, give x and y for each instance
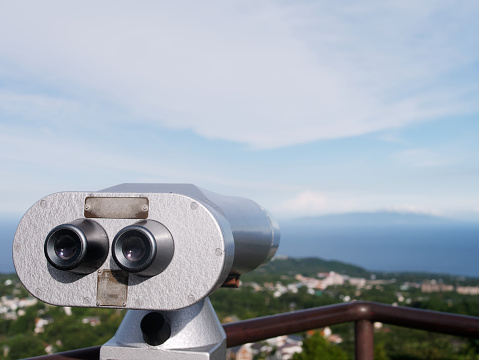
(8, 227)
(440, 248)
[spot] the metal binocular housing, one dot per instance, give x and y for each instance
(140, 246)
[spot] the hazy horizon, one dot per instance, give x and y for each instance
(387, 242)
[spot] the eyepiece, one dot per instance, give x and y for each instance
(67, 244)
(80, 246)
(145, 248)
(134, 248)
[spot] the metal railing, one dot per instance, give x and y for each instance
(362, 313)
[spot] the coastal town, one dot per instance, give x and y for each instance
(15, 303)
(285, 346)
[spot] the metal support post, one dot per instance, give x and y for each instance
(364, 337)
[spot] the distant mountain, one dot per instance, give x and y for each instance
(310, 267)
(386, 241)
(372, 219)
(281, 266)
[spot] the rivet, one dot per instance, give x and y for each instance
(145, 208)
(194, 205)
(43, 203)
(218, 252)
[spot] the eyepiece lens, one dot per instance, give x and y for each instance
(144, 248)
(80, 246)
(66, 246)
(133, 248)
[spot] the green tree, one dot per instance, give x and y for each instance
(380, 352)
(317, 347)
(25, 345)
(24, 323)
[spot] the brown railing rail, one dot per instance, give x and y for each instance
(362, 313)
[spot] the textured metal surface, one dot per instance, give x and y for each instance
(213, 236)
(196, 333)
(204, 252)
(256, 235)
(210, 236)
(116, 207)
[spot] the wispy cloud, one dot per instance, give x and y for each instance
(311, 202)
(308, 203)
(35, 106)
(414, 209)
(265, 74)
(422, 158)
(97, 93)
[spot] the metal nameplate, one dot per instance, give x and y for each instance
(112, 288)
(116, 207)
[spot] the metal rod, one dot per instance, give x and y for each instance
(81, 354)
(434, 321)
(364, 340)
(266, 327)
(263, 328)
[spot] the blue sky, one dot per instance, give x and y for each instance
(307, 108)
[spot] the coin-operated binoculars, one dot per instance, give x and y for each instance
(157, 249)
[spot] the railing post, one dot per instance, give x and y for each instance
(364, 340)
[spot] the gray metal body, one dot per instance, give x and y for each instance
(213, 236)
(196, 333)
(205, 238)
(256, 234)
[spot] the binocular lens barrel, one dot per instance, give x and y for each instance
(80, 247)
(145, 248)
